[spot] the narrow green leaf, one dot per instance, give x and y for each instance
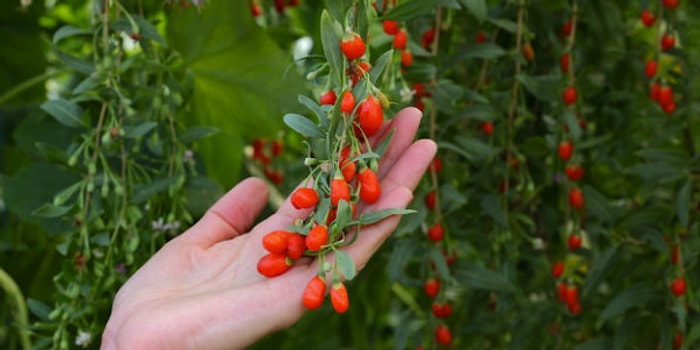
(481, 112)
(362, 19)
(438, 259)
(196, 133)
(505, 24)
(379, 65)
(303, 125)
(338, 8)
(379, 215)
(683, 203)
(542, 87)
(636, 295)
(73, 62)
(134, 131)
(598, 205)
(67, 193)
(410, 9)
(479, 277)
(487, 51)
(492, 207)
(51, 211)
(475, 148)
(315, 108)
(477, 8)
(148, 30)
(598, 268)
(68, 31)
(572, 123)
(343, 215)
(658, 172)
(51, 152)
(142, 192)
(331, 34)
(38, 309)
(401, 254)
(87, 84)
(345, 264)
(64, 111)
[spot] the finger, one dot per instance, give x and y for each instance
(398, 186)
(231, 215)
(404, 125)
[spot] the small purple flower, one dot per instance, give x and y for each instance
(121, 268)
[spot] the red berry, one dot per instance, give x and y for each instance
(678, 286)
(567, 28)
(437, 164)
(569, 95)
(561, 291)
(400, 40)
(487, 128)
(430, 199)
(339, 190)
(565, 62)
(314, 293)
(669, 108)
(390, 27)
(574, 242)
(665, 95)
(432, 287)
(371, 116)
(317, 238)
(441, 310)
(277, 148)
(255, 9)
(369, 186)
(566, 148)
(304, 198)
(480, 37)
(576, 199)
(571, 295)
(574, 172)
(671, 4)
(295, 246)
(675, 253)
(276, 242)
(528, 52)
(678, 341)
(436, 232)
(557, 269)
(654, 91)
(352, 46)
(443, 335)
(428, 37)
(348, 102)
(650, 69)
(339, 298)
(272, 265)
(648, 18)
(406, 58)
(279, 5)
(329, 98)
(347, 167)
(668, 41)
(574, 308)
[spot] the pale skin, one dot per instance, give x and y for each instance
(202, 289)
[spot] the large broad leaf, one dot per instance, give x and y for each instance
(243, 83)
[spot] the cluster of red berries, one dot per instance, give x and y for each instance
(568, 294)
(256, 8)
(335, 187)
(660, 91)
(678, 285)
(264, 152)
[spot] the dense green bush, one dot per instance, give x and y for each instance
(122, 121)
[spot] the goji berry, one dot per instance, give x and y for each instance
(314, 293)
(574, 172)
(574, 242)
(390, 27)
(566, 149)
(348, 102)
(304, 198)
(352, 46)
(339, 190)
(317, 238)
(347, 167)
(567, 28)
(678, 286)
(650, 68)
(369, 186)
(400, 39)
(295, 246)
(565, 63)
(557, 269)
(443, 335)
(276, 242)
(328, 98)
(487, 128)
(576, 199)
(339, 298)
(432, 287)
(272, 265)
(528, 52)
(668, 41)
(648, 18)
(436, 232)
(406, 58)
(371, 116)
(569, 95)
(430, 199)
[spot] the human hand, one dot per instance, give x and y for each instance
(202, 290)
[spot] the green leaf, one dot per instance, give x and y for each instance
(636, 295)
(487, 51)
(542, 87)
(598, 205)
(572, 124)
(142, 192)
(535, 146)
(491, 206)
(65, 112)
(338, 8)
(87, 84)
(51, 211)
(331, 34)
(476, 8)
(479, 277)
(135, 131)
(68, 31)
(148, 30)
(345, 264)
(475, 149)
(303, 125)
(481, 112)
(436, 256)
(401, 254)
(67, 193)
(658, 172)
(241, 81)
(315, 108)
(410, 9)
(683, 203)
(197, 133)
(599, 267)
(505, 24)
(379, 215)
(38, 309)
(382, 62)
(74, 63)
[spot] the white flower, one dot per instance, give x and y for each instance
(25, 3)
(158, 225)
(538, 244)
(407, 94)
(83, 339)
